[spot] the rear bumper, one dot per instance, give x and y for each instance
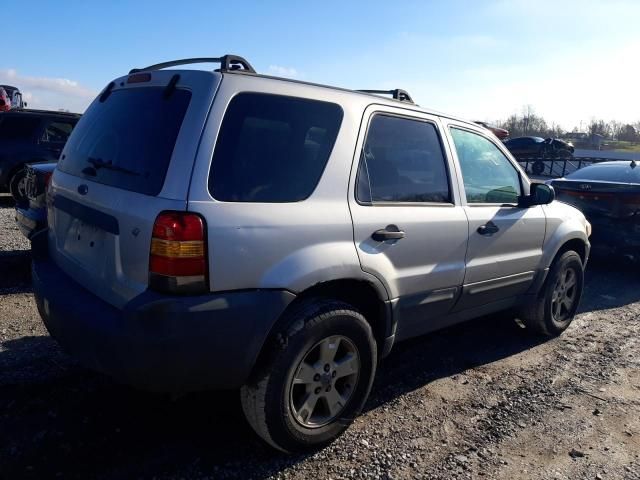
(157, 342)
(31, 221)
(615, 238)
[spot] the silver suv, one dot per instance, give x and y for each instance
(226, 229)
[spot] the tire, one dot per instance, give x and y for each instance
(293, 372)
(17, 187)
(538, 167)
(557, 302)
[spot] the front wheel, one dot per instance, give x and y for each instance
(314, 378)
(554, 308)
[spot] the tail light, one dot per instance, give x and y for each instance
(48, 196)
(629, 205)
(178, 257)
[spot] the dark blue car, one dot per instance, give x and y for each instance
(31, 214)
(608, 194)
(30, 136)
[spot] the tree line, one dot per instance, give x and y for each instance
(529, 123)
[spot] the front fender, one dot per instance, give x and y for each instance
(564, 224)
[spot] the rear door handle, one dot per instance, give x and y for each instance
(391, 232)
(488, 228)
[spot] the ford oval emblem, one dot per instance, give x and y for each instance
(83, 189)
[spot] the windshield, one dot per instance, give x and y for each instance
(127, 140)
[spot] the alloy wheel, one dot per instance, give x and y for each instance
(324, 381)
(565, 293)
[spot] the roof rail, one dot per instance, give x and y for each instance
(396, 94)
(227, 63)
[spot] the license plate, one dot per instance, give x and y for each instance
(85, 243)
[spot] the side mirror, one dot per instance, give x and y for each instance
(540, 194)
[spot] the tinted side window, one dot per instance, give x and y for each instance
(489, 176)
(272, 148)
(18, 127)
(402, 161)
(57, 132)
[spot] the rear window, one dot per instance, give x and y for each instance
(127, 140)
(18, 127)
(57, 131)
(272, 148)
(622, 173)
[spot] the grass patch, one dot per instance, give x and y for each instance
(620, 146)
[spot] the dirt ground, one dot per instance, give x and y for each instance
(480, 400)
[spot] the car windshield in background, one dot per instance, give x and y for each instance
(127, 140)
(17, 127)
(622, 173)
(272, 148)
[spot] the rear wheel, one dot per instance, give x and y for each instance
(563, 153)
(538, 167)
(556, 305)
(18, 186)
(314, 378)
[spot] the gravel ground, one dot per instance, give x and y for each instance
(11, 240)
(481, 400)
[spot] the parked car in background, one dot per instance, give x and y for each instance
(608, 194)
(15, 96)
(30, 136)
(538, 147)
(225, 229)
(5, 102)
(501, 133)
(31, 215)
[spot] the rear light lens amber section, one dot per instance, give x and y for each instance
(178, 256)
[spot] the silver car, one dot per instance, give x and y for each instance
(225, 229)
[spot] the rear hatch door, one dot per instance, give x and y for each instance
(129, 158)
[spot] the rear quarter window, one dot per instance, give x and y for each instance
(272, 148)
(127, 140)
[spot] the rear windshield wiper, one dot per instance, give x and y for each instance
(98, 163)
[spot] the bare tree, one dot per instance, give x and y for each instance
(615, 128)
(598, 127)
(629, 133)
(528, 123)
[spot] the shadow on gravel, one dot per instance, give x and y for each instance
(57, 419)
(15, 268)
(610, 283)
(417, 362)
(6, 201)
(77, 423)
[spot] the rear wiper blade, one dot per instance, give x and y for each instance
(98, 163)
(171, 86)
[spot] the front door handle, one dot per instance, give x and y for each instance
(391, 232)
(488, 228)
